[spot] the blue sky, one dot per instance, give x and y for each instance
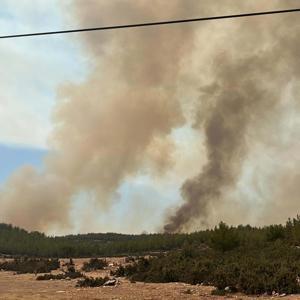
(13, 157)
(36, 67)
(32, 70)
(25, 110)
(31, 73)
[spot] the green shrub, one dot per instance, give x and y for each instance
(218, 292)
(30, 265)
(94, 264)
(91, 282)
(51, 277)
(275, 267)
(66, 275)
(275, 232)
(224, 238)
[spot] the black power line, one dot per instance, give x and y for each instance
(152, 23)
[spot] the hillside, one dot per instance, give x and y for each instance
(17, 241)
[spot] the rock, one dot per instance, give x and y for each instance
(282, 295)
(111, 282)
(188, 291)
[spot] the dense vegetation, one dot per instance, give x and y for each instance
(94, 264)
(30, 265)
(253, 261)
(16, 241)
(244, 258)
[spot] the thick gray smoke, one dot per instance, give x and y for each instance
(247, 86)
(141, 87)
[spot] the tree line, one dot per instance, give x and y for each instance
(16, 241)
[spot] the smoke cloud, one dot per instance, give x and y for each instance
(247, 86)
(116, 122)
(142, 85)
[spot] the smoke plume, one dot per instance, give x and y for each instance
(141, 86)
(112, 124)
(247, 86)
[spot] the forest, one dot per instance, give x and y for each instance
(15, 241)
(253, 260)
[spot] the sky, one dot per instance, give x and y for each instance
(40, 75)
(12, 157)
(32, 72)
(36, 67)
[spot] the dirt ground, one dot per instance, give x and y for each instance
(26, 287)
